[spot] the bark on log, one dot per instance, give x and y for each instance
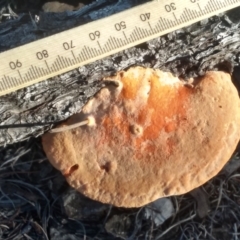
(210, 44)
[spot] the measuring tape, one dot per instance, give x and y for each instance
(62, 52)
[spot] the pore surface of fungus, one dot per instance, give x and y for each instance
(149, 135)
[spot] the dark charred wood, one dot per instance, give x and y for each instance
(212, 44)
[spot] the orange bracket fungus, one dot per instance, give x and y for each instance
(148, 135)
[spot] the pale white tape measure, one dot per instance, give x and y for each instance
(59, 53)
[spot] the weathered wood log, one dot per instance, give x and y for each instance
(210, 44)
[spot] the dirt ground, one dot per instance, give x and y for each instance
(37, 203)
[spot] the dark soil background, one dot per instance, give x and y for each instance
(37, 203)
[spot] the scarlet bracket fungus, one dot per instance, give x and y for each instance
(151, 135)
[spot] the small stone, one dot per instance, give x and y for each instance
(159, 211)
(79, 207)
(119, 225)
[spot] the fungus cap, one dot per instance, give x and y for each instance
(153, 136)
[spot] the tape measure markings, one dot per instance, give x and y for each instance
(62, 52)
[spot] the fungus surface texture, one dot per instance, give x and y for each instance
(151, 135)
